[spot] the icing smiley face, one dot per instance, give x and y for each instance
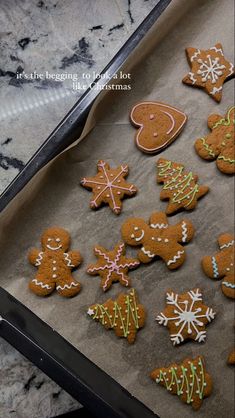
(55, 239)
(134, 231)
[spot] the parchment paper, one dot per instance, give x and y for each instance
(61, 201)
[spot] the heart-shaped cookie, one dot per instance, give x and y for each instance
(159, 124)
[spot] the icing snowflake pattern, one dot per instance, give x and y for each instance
(186, 316)
(109, 186)
(210, 69)
(112, 266)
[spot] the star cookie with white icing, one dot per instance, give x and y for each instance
(209, 70)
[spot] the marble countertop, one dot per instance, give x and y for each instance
(39, 39)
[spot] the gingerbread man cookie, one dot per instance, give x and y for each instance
(55, 264)
(180, 187)
(186, 316)
(112, 266)
(221, 265)
(159, 125)
(158, 238)
(124, 315)
(109, 186)
(209, 70)
(220, 143)
(188, 380)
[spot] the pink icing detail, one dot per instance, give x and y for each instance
(155, 134)
(141, 125)
(151, 117)
(113, 266)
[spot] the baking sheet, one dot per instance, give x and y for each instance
(61, 201)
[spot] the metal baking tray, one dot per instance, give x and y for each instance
(101, 395)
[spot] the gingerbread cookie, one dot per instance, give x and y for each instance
(112, 266)
(220, 143)
(158, 238)
(109, 186)
(209, 70)
(124, 315)
(221, 265)
(186, 316)
(159, 125)
(180, 186)
(54, 264)
(188, 380)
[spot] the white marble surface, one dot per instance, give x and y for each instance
(73, 36)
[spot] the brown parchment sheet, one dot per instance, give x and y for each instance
(60, 200)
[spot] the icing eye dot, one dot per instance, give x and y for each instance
(118, 192)
(49, 239)
(57, 240)
(228, 136)
(132, 236)
(155, 134)
(136, 228)
(151, 117)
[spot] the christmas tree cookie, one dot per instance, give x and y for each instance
(221, 265)
(124, 315)
(158, 238)
(112, 266)
(209, 70)
(180, 186)
(219, 145)
(186, 316)
(188, 380)
(109, 186)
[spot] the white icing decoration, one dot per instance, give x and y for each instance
(91, 312)
(53, 248)
(140, 237)
(184, 232)
(175, 258)
(195, 54)
(39, 259)
(67, 286)
(210, 69)
(148, 253)
(187, 315)
(192, 78)
(159, 226)
(215, 90)
(227, 245)
(41, 284)
(217, 50)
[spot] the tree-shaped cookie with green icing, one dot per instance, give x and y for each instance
(124, 315)
(188, 380)
(180, 186)
(219, 145)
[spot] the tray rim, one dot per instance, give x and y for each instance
(24, 330)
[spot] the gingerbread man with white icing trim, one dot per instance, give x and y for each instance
(221, 265)
(158, 238)
(55, 264)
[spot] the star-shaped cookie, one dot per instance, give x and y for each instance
(112, 266)
(209, 70)
(109, 186)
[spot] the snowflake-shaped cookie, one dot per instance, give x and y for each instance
(186, 316)
(109, 186)
(209, 70)
(112, 266)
